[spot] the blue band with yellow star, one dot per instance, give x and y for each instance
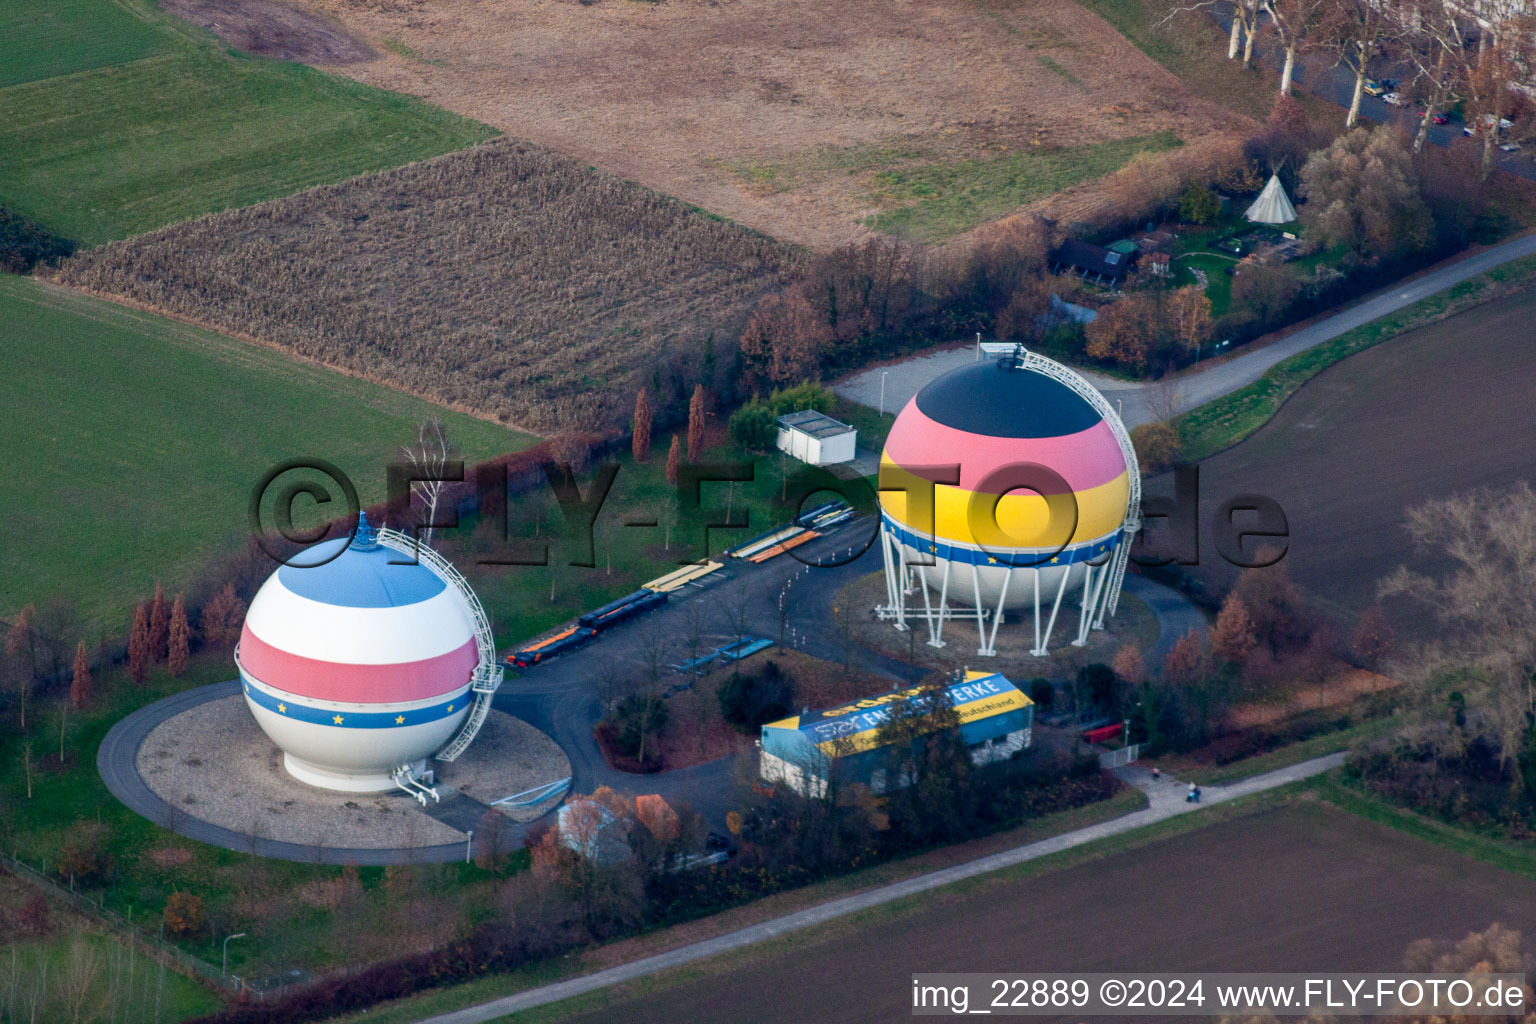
(1095, 551)
(448, 706)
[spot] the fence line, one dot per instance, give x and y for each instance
(115, 921)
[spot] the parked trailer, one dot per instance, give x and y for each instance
(591, 617)
(682, 577)
(1102, 733)
(805, 518)
(615, 612)
(743, 648)
(551, 646)
(780, 548)
(767, 540)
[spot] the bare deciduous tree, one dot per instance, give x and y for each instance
(428, 456)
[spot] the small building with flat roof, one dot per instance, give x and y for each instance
(807, 750)
(816, 438)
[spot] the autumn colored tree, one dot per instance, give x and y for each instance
(1233, 639)
(782, 342)
(183, 913)
(222, 617)
(1373, 637)
(20, 649)
(1281, 618)
(1119, 334)
(1363, 192)
(80, 684)
(640, 442)
(1129, 665)
(159, 624)
(1157, 445)
(674, 461)
(1189, 315)
(1185, 664)
(138, 644)
(696, 424)
(179, 645)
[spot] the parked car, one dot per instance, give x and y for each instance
(1510, 147)
(1395, 99)
(1486, 121)
(1379, 86)
(1439, 116)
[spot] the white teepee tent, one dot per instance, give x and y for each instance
(1273, 206)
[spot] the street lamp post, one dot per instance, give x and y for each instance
(469, 839)
(237, 935)
(882, 391)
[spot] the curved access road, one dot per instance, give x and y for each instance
(1204, 383)
(117, 761)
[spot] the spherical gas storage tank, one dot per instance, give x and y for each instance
(1029, 480)
(356, 666)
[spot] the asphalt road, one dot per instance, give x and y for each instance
(1208, 381)
(563, 697)
(1336, 83)
(1165, 800)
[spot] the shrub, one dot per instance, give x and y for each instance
(1043, 692)
(748, 701)
(1199, 205)
(24, 243)
(754, 427)
(183, 913)
(84, 857)
(1157, 446)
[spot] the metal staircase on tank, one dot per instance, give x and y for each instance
(487, 676)
(1024, 359)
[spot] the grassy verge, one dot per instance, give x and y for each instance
(929, 202)
(1517, 857)
(1227, 420)
(141, 455)
(1283, 757)
(891, 915)
(459, 996)
(165, 125)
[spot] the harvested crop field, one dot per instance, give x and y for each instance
(1439, 410)
(792, 116)
(503, 279)
(1304, 887)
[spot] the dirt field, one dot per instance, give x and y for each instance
(272, 29)
(1300, 888)
(1442, 409)
(792, 116)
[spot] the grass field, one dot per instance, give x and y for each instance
(43, 38)
(174, 126)
(1379, 432)
(933, 201)
(135, 443)
(111, 975)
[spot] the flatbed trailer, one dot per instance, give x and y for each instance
(783, 546)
